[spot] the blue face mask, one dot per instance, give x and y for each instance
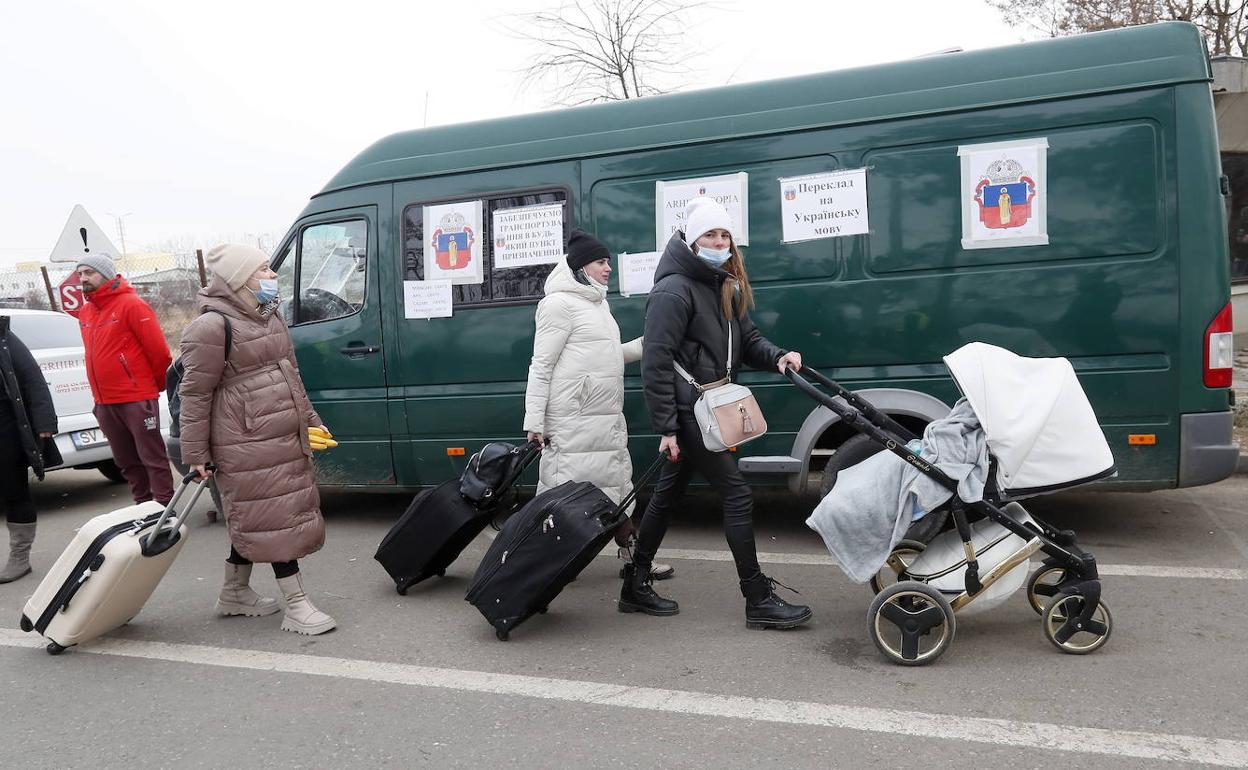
(713, 257)
(267, 291)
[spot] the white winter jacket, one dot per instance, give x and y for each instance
(575, 394)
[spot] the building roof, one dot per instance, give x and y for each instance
(1156, 54)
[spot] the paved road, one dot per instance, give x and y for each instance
(420, 681)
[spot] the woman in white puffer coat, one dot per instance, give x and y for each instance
(575, 393)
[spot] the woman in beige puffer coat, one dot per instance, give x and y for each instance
(575, 393)
(245, 411)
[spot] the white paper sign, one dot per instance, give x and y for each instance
(82, 237)
(453, 243)
(636, 272)
(528, 235)
(1004, 194)
(426, 299)
(827, 205)
(670, 199)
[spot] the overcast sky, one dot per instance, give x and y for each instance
(219, 120)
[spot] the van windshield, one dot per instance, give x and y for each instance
(39, 332)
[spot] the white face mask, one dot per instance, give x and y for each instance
(713, 257)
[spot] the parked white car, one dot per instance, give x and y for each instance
(55, 341)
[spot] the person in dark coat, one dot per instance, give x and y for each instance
(697, 310)
(27, 425)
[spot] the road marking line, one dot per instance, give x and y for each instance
(1120, 570)
(998, 732)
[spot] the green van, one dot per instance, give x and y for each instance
(1111, 251)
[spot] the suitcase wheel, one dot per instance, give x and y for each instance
(441, 573)
(502, 635)
(402, 589)
(542, 611)
(26, 625)
(55, 649)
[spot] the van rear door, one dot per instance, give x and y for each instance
(328, 274)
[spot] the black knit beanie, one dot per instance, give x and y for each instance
(584, 248)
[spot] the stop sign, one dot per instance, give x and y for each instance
(70, 294)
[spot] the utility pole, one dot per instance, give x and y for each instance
(121, 229)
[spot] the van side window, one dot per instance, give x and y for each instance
(333, 260)
(500, 285)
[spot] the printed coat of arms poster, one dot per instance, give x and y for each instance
(453, 243)
(1004, 194)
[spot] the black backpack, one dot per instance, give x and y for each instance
(175, 372)
(494, 469)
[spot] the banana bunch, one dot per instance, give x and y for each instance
(321, 439)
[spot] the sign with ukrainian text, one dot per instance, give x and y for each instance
(528, 235)
(827, 205)
(671, 198)
(1004, 194)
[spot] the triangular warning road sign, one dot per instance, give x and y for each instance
(82, 236)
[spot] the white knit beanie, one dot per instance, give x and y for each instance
(235, 262)
(703, 215)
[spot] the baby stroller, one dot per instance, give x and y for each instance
(1042, 436)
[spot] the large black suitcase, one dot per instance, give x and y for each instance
(439, 524)
(542, 547)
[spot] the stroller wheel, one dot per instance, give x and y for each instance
(899, 560)
(911, 623)
(1061, 627)
(1042, 585)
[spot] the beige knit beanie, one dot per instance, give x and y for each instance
(235, 262)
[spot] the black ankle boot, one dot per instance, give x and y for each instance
(636, 595)
(763, 609)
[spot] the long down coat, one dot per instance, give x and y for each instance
(250, 417)
(30, 400)
(575, 394)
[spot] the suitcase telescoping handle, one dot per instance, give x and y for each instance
(641, 482)
(148, 545)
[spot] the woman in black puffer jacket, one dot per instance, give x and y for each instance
(701, 290)
(27, 425)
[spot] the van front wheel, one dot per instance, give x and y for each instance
(110, 471)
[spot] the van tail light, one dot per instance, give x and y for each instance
(1219, 350)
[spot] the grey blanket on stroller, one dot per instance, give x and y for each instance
(873, 502)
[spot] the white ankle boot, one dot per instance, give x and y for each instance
(301, 616)
(237, 598)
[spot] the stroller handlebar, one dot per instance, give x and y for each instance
(851, 408)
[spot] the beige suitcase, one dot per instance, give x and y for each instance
(108, 571)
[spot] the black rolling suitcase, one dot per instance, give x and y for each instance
(543, 547)
(441, 522)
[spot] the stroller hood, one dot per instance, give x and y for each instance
(1036, 417)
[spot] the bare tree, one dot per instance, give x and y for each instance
(606, 50)
(1224, 23)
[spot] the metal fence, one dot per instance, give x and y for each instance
(168, 282)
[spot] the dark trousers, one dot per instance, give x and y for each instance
(133, 432)
(19, 507)
(281, 569)
(720, 469)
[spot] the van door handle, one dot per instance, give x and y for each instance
(355, 350)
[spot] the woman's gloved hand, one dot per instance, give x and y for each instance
(320, 438)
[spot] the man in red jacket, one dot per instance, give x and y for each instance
(126, 357)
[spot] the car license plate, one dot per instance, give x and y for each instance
(86, 438)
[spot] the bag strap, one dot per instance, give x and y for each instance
(727, 378)
(229, 331)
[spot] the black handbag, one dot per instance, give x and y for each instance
(494, 469)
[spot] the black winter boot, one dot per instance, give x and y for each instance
(763, 609)
(636, 595)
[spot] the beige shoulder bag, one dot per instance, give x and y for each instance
(726, 412)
